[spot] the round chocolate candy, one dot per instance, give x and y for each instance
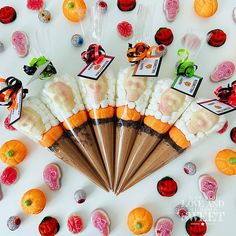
(13, 223)
(196, 226)
(167, 187)
(102, 6)
(77, 40)
(1, 47)
(49, 226)
(80, 196)
(216, 38)
(44, 16)
(7, 14)
(181, 211)
(164, 36)
(190, 168)
(233, 134)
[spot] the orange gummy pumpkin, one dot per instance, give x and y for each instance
(13, 152)
(140, 221)
(33, 202)
(206, 8)
(226, 162)
(74, 10)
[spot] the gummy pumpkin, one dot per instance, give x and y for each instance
(13, 152)
(226, 162)
(74, 10)
(140, 221)
(33, 202)
(206, 8)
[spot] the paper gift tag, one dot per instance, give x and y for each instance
(188, 86)
(217, 107)
(16, 112)
(148, 67)
(93, 71)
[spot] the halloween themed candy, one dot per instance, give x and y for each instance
(35, 5)
(77, 40)
(7, 14)
(216, 38)
(9, 176)
(190, 168)
(167, 187)
(171, 9)
(21, 43)
(102, 6)
(44, 16)
(49, 226)
(80, 196)
(13, 152)
(52, 176)
(33, 201)
(205, 8)
(195, 226)
(223, 71)
(13, 223)
(126, 5)
(101, 221)
(75, 224)
(125, 30)
(208, 187)
(226, 162)
(181, 211)
(140, 221)
(164, 226)
(164, 36)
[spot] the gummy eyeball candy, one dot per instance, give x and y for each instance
(77, 40)
(80, 196)
(190, 168)
(44, 16)
(13, 223)
(181, 211)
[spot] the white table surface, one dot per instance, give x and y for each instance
(57, 46)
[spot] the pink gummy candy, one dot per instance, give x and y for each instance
(35, 4)
(171, 9)
(9, 176)
(208, 187)
(101, 221)
(75, 224)
(20, 43)
(125, 29)
(164, 227)
(52, 176)
(223, 71)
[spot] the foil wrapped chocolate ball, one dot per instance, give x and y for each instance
(190, 168)
(44, 16)
(13, 223)
(77, 40)
(80, 196)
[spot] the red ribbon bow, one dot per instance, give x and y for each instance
(95, 53)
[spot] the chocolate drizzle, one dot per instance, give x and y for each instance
(146, 129)
(128, 124)
(168, 139)
(55, 147)
(102, 121)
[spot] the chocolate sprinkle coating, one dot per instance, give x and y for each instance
(146, 129)
(173, 144)
(130, 123)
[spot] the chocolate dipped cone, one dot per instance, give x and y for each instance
(38, 123)
(62, 96)
(165, 107)
(187, 131)
(99, 98)
(132, 98)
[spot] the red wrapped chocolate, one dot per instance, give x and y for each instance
(216, 38)
(167, 187)
(49, 226)
(126, 5)
(7, 15)
(164, 36)
(196, 226)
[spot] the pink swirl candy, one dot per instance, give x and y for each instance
(52, 176)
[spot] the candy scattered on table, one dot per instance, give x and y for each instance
(167, 187)
(223, 71)
(126, 5)
(226, 162)
(233, 134)
(161, 50)
(205, 8)
(164, 36)
(125, 30)
(140, 221)
(77, 40)
(35, 5)
(1, 47)
(181, 211)
(13, 223)
(101, 221)
(7, 15)
(44, 16)
(190, 168)
(9, 176)
(33, 202)
(164, 226)
(208, 187)
(7, 124)
(171, 9)
(234, 15)
(13, 152)
(216, 38)
(49, 226)
(196, 226)
(80, 196)
(52, 176)
(21, 43)
(75, 224)
(102, 6)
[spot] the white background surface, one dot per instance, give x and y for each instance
(56, 43)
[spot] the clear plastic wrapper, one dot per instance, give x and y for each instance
(194, 125)
(61, 94)
(165, 107)
(38, 123)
